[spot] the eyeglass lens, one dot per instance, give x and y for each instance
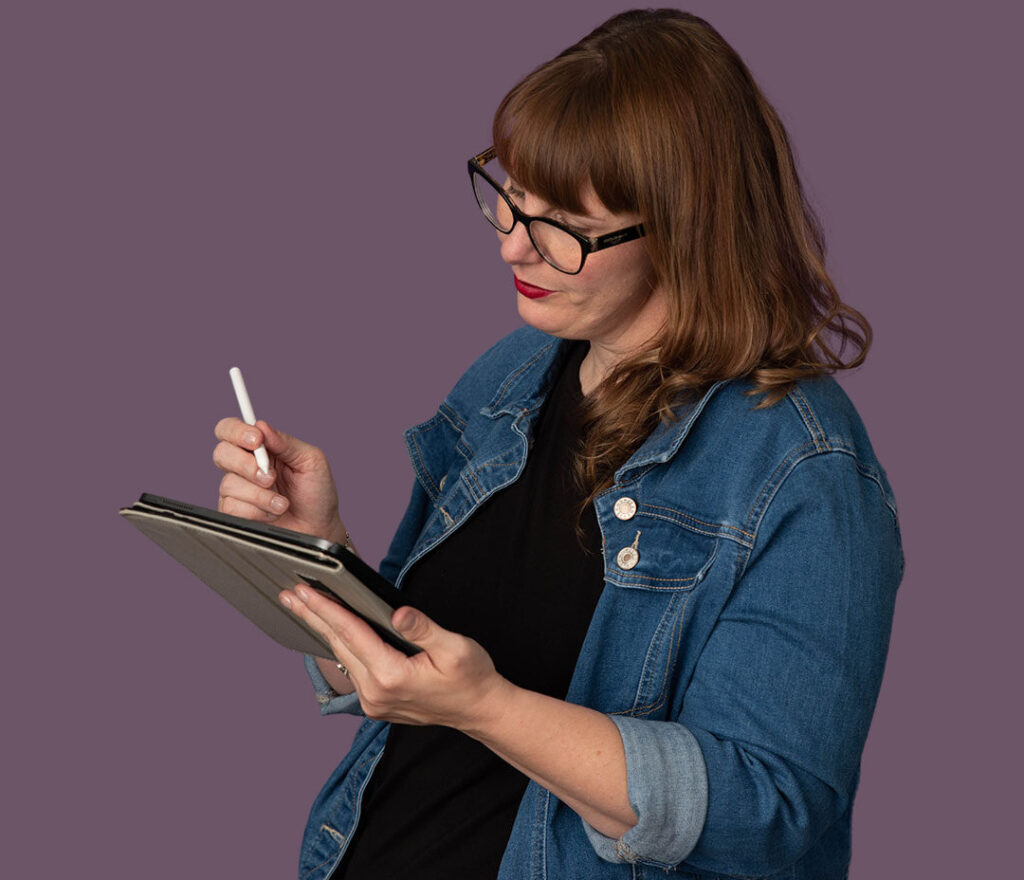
(555, 245)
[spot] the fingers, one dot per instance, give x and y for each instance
(291, 451)
(354, 633)
(240, 497)
(446, 683)
(287, 450)
(331, 622)
(237, 432)
(233, 459)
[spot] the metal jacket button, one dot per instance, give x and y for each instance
(628, 557)
(625, 508)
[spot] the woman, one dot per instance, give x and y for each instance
(652, 556)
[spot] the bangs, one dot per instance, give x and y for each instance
(555, 135)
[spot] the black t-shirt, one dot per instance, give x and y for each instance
(517, 578)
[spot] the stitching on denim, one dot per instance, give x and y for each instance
(471, 474)
(642, 580)
(781, 474)
(356, 808)
(338, 837)
(464, 449)
(421, 470)
(451, 416)
(334, 832)
(799, 405)
(539, 837)
(762, 502)
(677, 632)
(514, 376)
(773, 482)
(677, 636)
(646, 673)
(353, 785)
(714, 530)
(654, 588)
(625, 852)
(803, 407)
(681, 432)
(813, 416)
(638, 576)
(871, 474)
(315, 868)
(675, 639)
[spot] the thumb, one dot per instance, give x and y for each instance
(285, 448)
(416, 626)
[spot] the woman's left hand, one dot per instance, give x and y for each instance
(451, 682)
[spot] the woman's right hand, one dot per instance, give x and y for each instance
(299, 491)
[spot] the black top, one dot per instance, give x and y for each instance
(515, 577)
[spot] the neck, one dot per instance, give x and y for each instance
(598, 363)
(639, 333)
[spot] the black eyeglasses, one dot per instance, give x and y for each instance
(559, 245)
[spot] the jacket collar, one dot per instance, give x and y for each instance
(525, 388)
(665, 440)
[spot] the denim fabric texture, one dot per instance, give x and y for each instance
(738, 646)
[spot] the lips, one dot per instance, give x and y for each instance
(530, 291)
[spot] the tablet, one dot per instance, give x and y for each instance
(249, 563)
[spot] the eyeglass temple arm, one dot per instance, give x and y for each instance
(485, 156)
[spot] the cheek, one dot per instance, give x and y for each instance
(626, 267)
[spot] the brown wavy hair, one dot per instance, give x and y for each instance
(661, 116)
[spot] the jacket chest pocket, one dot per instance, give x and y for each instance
(645, 550)
(652, 568)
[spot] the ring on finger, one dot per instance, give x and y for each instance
(343, 668)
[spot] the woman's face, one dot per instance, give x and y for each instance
(613, 302)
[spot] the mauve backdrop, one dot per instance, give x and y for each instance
(192, 185)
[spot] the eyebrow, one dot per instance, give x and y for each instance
(572, 219)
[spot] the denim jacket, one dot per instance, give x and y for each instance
(751, 559)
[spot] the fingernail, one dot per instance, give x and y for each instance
(278, 503)
(267, 479)
(407, 622)
(301, 593)
(285, 600)
(250, 438)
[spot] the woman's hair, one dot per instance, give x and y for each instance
(661, 116)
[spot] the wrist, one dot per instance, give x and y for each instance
(489, 709)
(338, 534)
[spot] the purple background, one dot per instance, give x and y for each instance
(192, 185)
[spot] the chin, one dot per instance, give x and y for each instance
(540, 316)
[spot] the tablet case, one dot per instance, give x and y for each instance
(250, 563)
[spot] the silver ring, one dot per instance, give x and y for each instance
(343, 668)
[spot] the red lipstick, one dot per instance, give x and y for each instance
(529, 291)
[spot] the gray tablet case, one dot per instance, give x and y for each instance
(250, 563)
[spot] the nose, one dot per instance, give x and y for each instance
(516, 247)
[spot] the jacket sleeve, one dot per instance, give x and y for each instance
(330, 701)
(765, 754)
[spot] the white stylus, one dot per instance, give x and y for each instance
(248, 416)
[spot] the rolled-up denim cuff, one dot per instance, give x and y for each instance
(668, 791)
(331, 702)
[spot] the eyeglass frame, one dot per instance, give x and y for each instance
(588, 245)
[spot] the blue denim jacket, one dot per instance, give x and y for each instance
(751, 562)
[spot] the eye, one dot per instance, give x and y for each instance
(575, 227)
(514, 192)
